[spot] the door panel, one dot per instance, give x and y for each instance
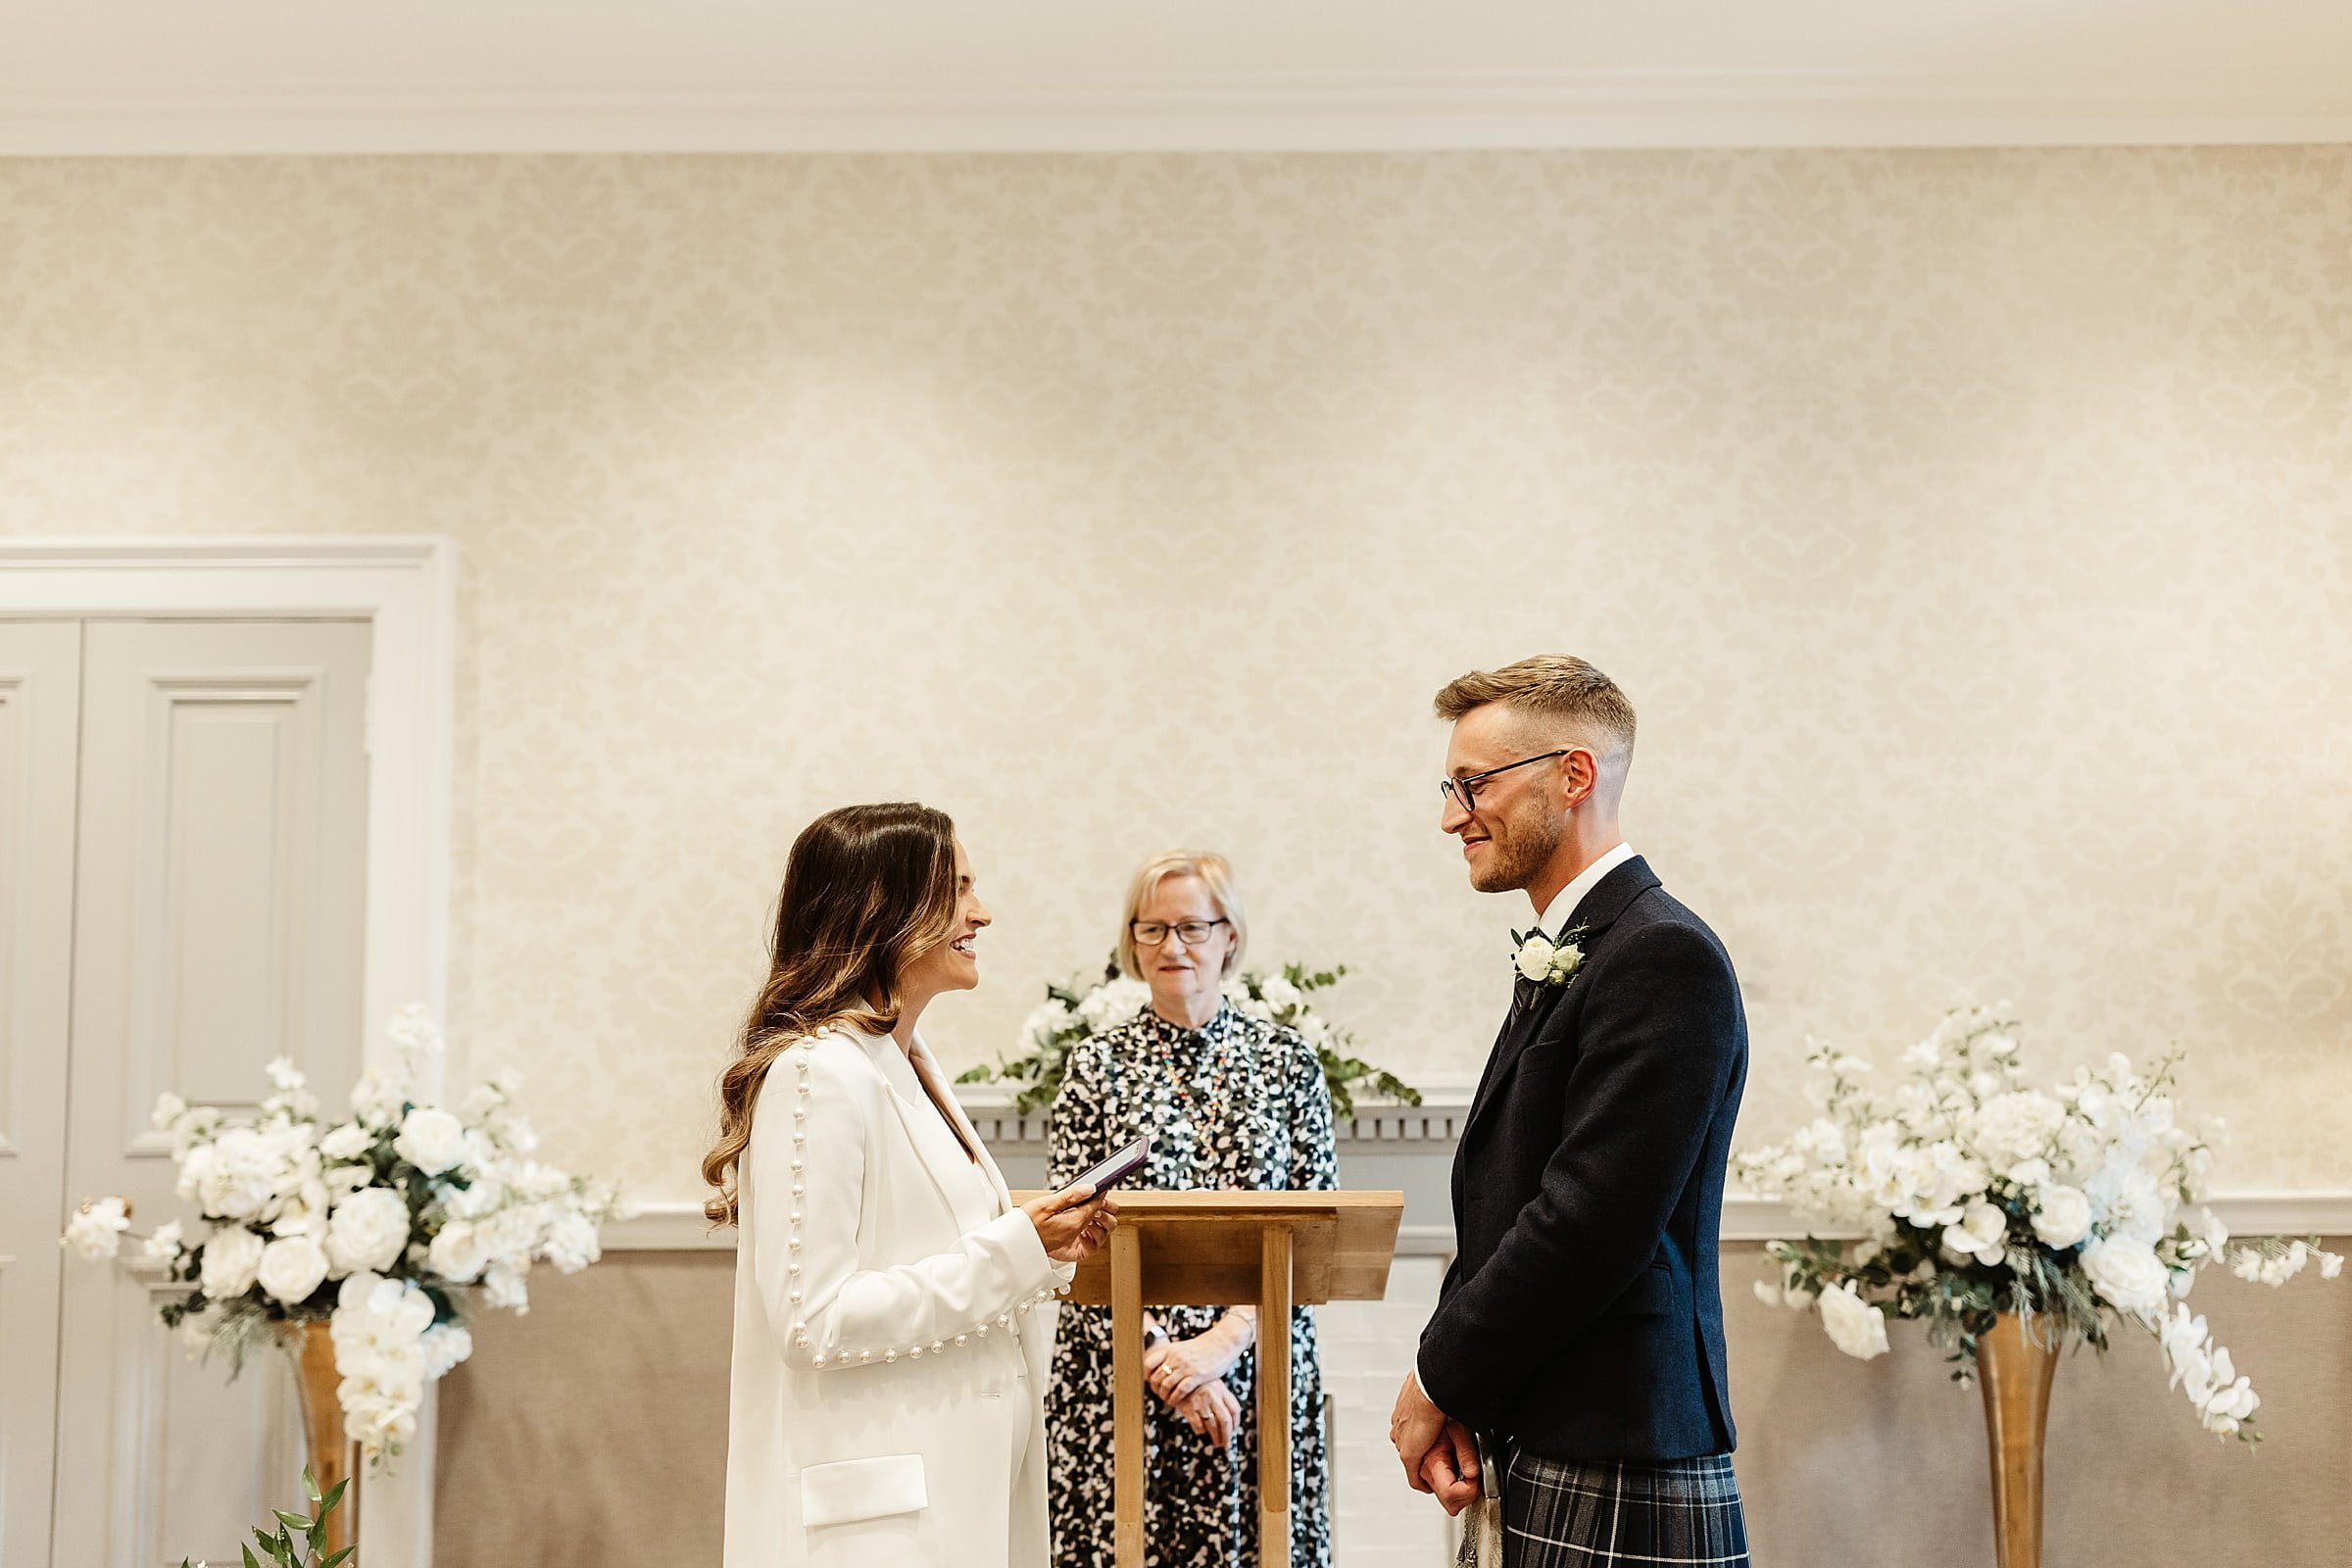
(218, 922)
(40, 675)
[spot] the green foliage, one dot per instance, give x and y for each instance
(300, 1540)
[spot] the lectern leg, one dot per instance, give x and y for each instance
(1127, 1392)
(1273, 1398)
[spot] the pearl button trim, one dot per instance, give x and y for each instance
(801, 1056)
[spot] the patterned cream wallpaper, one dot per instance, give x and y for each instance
(1973, 531)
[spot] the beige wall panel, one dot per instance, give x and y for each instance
(592, 1433)
(593, 1428)
(1970, 526)
(39, 712)
(218, 923)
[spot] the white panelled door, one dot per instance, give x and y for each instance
(40, 695)
(218, 921)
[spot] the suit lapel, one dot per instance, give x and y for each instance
(929, 1065)
(1594, 912)
(931, 1144)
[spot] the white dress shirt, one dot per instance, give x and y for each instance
(1563, 903)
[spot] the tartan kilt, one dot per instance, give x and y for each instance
(1581, 1513)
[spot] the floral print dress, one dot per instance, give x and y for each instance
(1239, 1101)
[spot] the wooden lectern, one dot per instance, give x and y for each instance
(1222, 1248)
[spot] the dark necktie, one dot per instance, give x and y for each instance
(1523, 997)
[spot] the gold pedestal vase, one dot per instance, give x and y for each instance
(332, 1456)
(2015, 1369)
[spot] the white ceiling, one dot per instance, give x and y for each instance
(376, 75)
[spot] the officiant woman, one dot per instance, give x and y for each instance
(1228, 1100)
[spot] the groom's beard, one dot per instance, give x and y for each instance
(1516, 852)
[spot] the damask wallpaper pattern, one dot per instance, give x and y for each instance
(1972, 530)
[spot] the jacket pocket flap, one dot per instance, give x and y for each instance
(862, 1488)
(1652, 1291)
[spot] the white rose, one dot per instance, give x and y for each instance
(95, 1232)
(2127, 1276)
(1981, 1233)
(169, 1109)
(456, 1254)
(243, 1172)
(304, 1213)
(1279, 993)
(1534, 957)
(232, 1257)
(2062, 1218)
(291, 1268)
(431, 1140)
(368, 1231)
(1112, 1003)
(1853, 1325)
(163, 1247)
(347, 1142)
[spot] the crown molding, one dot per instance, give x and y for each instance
(1600, 109)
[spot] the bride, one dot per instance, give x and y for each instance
(894, 1309)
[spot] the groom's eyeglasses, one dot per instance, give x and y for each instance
(1192, 933)
(1463, 791)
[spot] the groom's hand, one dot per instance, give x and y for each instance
(1450, 1468)
(1418, 1427)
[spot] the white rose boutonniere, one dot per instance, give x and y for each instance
(1548, 962)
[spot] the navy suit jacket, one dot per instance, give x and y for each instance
(1583, 1317)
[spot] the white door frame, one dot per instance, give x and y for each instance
(405, 587)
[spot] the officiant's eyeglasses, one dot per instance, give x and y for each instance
(1192, 933)
(1463, 791)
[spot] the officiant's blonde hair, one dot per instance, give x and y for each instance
(1216, 873)
(1561, 687)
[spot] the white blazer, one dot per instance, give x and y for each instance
(887, 1396)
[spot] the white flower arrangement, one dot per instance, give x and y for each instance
(1069, 1015)
(375, 1225)
(1977, 1195)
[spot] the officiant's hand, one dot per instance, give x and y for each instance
(1212, 1411)
(1174, 1368)
(1073, 1223)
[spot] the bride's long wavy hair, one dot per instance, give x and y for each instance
(866, 888)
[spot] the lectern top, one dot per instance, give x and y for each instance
(1204, 1247)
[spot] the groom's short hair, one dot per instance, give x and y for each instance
(1559, 687)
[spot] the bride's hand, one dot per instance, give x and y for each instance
(1072, 1223)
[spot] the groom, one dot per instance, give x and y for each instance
(1580, 1330)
